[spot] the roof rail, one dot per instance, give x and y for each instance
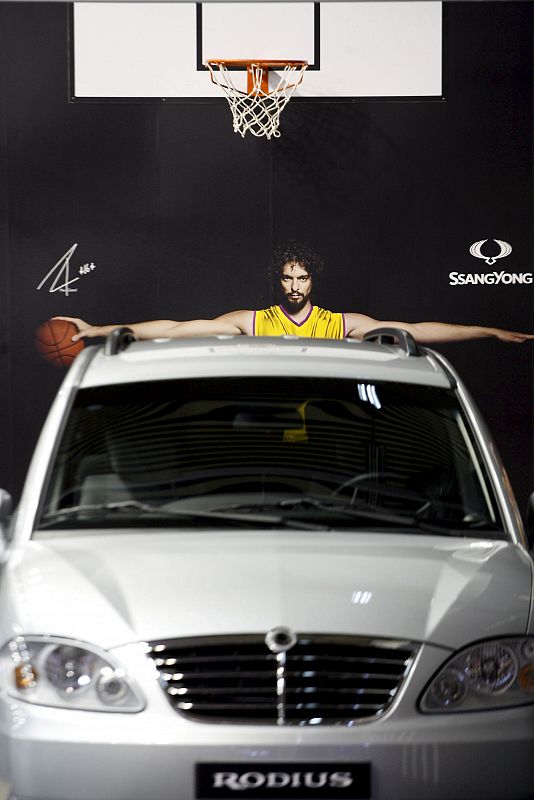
(443, 363)
(398, 335)
(118, 340)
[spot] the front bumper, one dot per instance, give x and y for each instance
(53, 754)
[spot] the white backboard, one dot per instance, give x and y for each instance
(157, 50)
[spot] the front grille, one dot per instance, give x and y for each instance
(320, 680)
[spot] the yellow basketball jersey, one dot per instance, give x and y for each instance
(321, 324)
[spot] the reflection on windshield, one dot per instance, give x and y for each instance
(309, 453)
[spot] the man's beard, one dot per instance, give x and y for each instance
(294, 305)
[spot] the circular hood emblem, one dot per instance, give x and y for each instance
(278, 640)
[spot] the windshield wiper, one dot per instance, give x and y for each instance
(102, 509)
(363, 511)
(326, 505)
(429, 508)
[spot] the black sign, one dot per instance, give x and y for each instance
(325, 781)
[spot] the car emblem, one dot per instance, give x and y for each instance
(504, 250)
(281, 639)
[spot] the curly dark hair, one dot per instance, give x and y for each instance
(300, 254)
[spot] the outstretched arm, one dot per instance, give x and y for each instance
(141, 330)
(236, 322)
(357, 325)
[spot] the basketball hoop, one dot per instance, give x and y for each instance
(258, 108)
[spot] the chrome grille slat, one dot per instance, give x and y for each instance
(188, 660)
(356, 675)
(249, 689)
(192, 689)
(331, 692)
(349, 659)
(299, 678)
(338, 707)
(327, 679)
(229, 680)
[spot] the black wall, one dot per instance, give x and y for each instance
(180, 215)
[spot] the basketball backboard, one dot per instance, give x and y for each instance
(354, 50)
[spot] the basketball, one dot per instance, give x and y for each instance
(53, 340)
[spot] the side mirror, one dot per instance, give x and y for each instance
(529, 521)
(6, 509)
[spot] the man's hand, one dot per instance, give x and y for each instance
(85, 330)
(512, 336)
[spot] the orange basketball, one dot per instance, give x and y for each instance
(53, 339)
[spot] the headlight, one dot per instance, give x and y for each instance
(492, 674)
(51, 671)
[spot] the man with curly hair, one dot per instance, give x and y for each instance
(295, 268)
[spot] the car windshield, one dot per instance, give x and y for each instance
(304, 453)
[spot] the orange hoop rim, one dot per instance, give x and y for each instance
(263, 63)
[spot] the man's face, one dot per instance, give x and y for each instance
(296, 285)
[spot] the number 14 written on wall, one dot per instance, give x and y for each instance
(60, 274)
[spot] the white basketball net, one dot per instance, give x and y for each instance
(258, 111)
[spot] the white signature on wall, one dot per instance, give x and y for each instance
(60, 274)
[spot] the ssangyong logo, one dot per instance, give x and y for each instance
(504, 250)
(494, 278)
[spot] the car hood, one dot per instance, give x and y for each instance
(116, 587)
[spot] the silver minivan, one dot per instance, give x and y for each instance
(265, 568)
